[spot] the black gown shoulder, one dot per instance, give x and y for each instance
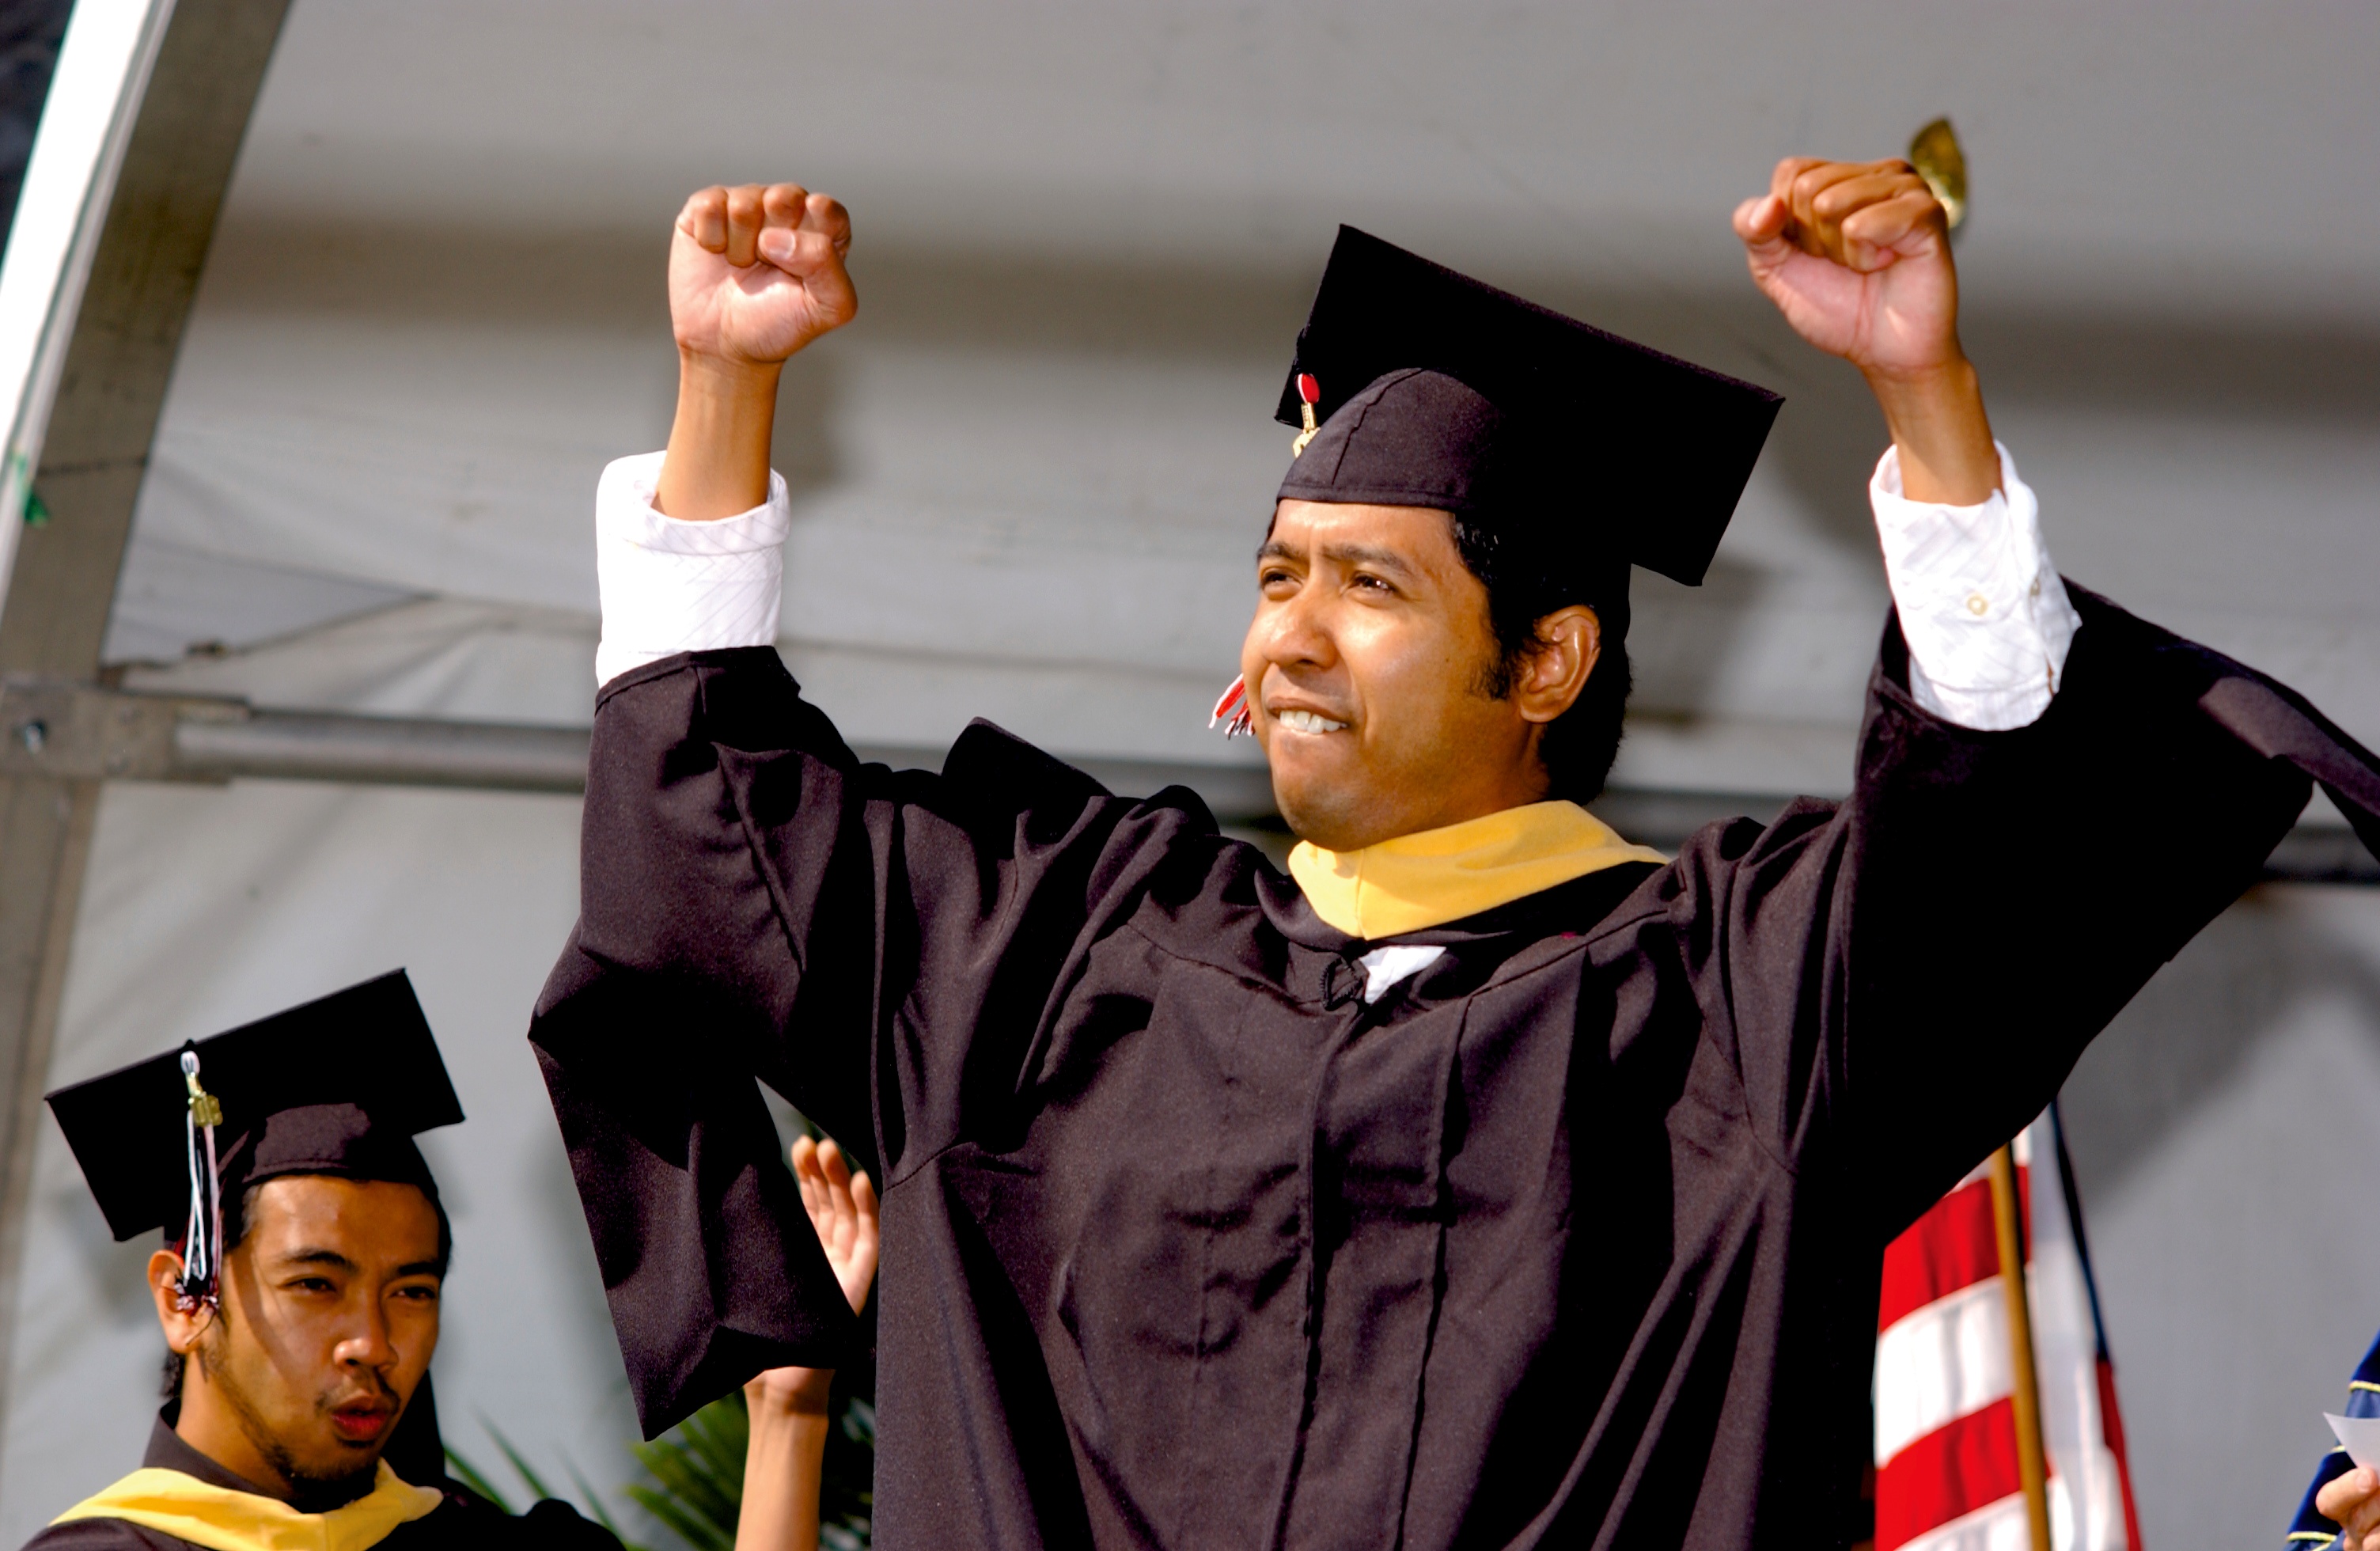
(466, 1523)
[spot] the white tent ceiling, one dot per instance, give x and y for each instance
(1086, 236)
(1030, 475)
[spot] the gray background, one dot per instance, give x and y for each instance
(1030, 475)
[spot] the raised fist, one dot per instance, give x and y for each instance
(1857, 256)
(756, 273)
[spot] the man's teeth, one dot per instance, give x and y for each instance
(1309, 721)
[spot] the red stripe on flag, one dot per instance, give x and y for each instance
(1951, 1471)
(1954, 1245)
(2111, 1424)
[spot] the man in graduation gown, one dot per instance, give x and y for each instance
(298, 1290)
(1487, 1181)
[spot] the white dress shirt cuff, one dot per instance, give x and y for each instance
(669, 586)
(1986, 620)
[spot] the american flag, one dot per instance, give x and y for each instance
(1946, 1450)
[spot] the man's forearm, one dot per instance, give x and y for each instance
(1936, 419)
(718, 462)
(783, 1467)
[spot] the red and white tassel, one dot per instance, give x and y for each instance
(1232, 712)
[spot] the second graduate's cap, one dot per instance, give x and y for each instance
(1435, 390)
(339, 1086)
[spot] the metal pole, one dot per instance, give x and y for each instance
(119, 348)
(2032, 1464)
(70, 729)
(392, 751)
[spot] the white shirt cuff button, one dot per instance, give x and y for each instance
(1980, 665)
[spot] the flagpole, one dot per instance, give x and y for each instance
(2025, 1397)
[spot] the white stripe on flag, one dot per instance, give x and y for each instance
(1999, 1526)
(1943, 1362)
(1950, 1360)
(2087, 1513)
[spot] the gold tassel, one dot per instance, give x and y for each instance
(1935, 153)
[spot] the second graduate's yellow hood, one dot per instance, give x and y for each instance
(224, 1520)
(1416, 882)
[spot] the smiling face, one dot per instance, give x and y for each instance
(1374, 677)
(329, 1316)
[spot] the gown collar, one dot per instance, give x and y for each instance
(1418, 881)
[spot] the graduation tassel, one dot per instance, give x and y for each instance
(1231, 712)
(1309, 393)
(202, 1238)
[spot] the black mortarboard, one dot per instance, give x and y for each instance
(1435, 390)
(339, 1086)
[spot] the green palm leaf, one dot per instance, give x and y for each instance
(595, 1506)
(471, 1476)
(538, 1489)
(692, 1528)
(697, 1470)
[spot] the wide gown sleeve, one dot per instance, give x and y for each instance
(877, 946)
(1903, 980)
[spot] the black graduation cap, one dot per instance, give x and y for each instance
(339, 1086)
(1432, 389)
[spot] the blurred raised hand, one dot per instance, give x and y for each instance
(788, 1406)
(842, 1204)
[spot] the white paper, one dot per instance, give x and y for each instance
(2361, 1436)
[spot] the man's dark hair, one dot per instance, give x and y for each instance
(237, 1216)
(1525, 582)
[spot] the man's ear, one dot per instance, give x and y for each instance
(1556, 670)
(183, 1326)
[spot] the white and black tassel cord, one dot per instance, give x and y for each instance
(202, 1238)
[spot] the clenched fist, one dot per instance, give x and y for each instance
(1856, 255)
(757, 273)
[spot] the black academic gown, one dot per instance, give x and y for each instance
(464, 1521)
(1572, 1239)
